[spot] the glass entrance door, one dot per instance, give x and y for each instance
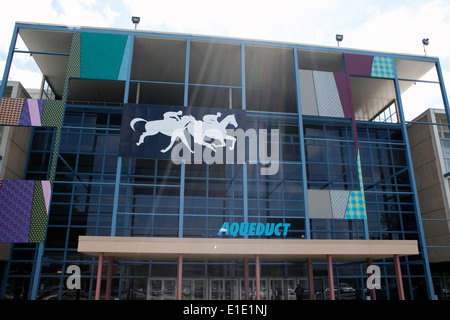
(223, 289)
(276, 289)
(194, 289)
(252, 289)
(161, 289)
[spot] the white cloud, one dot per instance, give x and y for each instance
(64, 12)
(402, 30)
(396, 26)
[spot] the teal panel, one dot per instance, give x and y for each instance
(356, 208)
(382, 67)
(101, 55)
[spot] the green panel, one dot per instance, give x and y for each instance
(53, 113)
(73, 67)
(38, 223)
(101, 55)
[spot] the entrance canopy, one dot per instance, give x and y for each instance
(220, 249)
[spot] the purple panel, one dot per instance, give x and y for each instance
(41, 107)
(358, 65)
(16, 199)
(25, 115)
(345, 94)
(343, 87)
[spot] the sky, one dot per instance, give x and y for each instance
(383, 25)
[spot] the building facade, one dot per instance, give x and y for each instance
(328, 191)
(428, 135)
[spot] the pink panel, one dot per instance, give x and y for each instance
(35, 116)
(46, 188)
(358, 65)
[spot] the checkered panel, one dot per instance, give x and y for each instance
(11, 110)
(328, 101)
(38, 221)
(23, 210)
(55, 153)
(56, 119)
(73, 66)
(16, 197)
(339, 202)
(53, 114)
(356, 208)
(382, 67)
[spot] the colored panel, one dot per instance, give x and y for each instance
(101, 55)
(33, 108)
(339, 201)
(382, 67)
(11, 110)
(53, 113)
(343, 88)
(47, 191)
(25, 115)
(319, 204)
(73, 66)
(328, 101)
(307, 93)
(55, 153)
(16, 198)
(125, 61)
(358, 65)
(38, 221)
(356, 208)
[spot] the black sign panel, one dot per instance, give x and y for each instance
(151, 131)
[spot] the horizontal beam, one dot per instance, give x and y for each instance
(223, 249)
(43, 52)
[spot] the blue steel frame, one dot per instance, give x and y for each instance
(422, 243)
(243, 42)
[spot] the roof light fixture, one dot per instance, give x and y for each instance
(136, 21)
(425, 42)
(339, 38)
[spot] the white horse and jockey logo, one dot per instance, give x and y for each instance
(174, 125)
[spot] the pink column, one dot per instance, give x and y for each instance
(99, 276)
(310, 280)
(246, 279)
(398, 272)
(258, 284)
(373, 295)
(179, 276)
(330, 276)
(109, 279)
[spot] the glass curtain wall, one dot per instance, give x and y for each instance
(155, 199)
